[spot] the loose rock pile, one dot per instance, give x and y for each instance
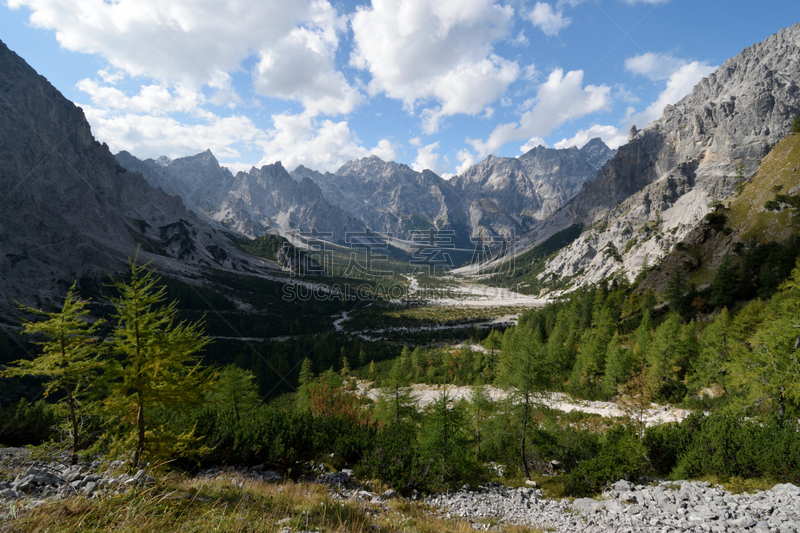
(679, 506)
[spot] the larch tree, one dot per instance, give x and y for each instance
(444, 438)
(522, 374)
(156, 371)
(772, 365)
(68, 359)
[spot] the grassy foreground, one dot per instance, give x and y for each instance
(233, 504)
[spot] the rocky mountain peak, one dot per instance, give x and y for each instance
(69, 211)
(672, 169)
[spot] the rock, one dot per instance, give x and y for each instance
(587, 506)
(271, 476)
(89, 488)
(9, 494)
(622, 486)
(389, 494)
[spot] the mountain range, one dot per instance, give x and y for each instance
(71, 210)
(497, 199)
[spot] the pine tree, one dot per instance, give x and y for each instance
(770, 372)
(443, 437)
(523, 375)
(619, 364)
(235, 391)
(396, 403)
(305, 381)
(711, 366)
(68, 359)
(480, 406)
(157, 371)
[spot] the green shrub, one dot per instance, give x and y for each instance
(395, 459)
(729, 445)
(621, 457)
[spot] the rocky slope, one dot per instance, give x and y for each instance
(199, 179)
(69, 210)
(659, 186)
(392, 198)
(508, 195)
(265, 200)
(498, 198)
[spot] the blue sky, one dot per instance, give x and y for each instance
(436, 84)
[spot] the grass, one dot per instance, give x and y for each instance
(747, 216)
(233, 504)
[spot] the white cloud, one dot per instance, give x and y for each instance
(417, 51)
(466, 158)
(550, 21)
(152, 99)
(532, 143)
(180, 41)
(301, 66)
(195, 44)
(322, 145)
(679, 84)
(153, 136)
(426, 157)
(559, 99)
(612, 136)
(654, 66)
(385, 150)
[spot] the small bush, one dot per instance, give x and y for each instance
(621, 457)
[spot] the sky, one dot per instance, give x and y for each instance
(436, 84)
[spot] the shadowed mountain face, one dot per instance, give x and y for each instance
(498, 198)
(68, 210)
(657, 187)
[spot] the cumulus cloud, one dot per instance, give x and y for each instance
(466, 159)
(153, 136)
(322, 145)
(183, 40)
(418, 51)
(654, 66)
(532, 143)
(680, 83)
(191, 44)
(550, 21)
(611, 135)
(427, 158)
(152, 99)
(559, 99)
(301, 66)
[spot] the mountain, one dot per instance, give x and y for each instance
(69, 211)
(659, 186)
(523, 190)
(496, 199)
(268, 199)
(199, 180)
(265, 200)
(390, 197)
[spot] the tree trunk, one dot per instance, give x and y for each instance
(522, 444)
(74, 421)
(140, 422)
